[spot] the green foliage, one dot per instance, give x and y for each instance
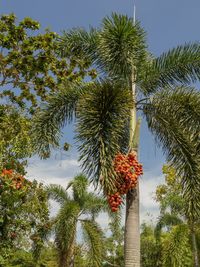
(121, 46)
(14, 135)
(174, 225)
(52, 117)
(176, 248)
(150, 248)
(93, 237)
(114, 242)
(23, 258)
(173, 116)
(170, 194)
(116, 48)
(180, 65)
(30, 62)
(18, 258)
(23, 214)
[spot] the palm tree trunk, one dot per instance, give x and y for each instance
(132, 224)
(132, 230)
(70, 256)
(66, 258)
(62, 260)
(194, 249)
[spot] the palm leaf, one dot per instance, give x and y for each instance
(114, 48)
(65, 229)
(178, 65)
(79, 43)
(79, 188)
(121, 46)
(102, 114)
(59, 111)
(94, 204)
(176, 248)
(93, 236)
(57, 193)
(174, 117)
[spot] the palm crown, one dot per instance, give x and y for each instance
(102, 108)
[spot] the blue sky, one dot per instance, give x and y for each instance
(167, 23)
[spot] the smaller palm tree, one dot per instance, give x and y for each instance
(78, 206)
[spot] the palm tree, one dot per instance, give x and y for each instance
(105, 110)
(82, 207)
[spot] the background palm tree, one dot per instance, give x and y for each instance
(81, 207)
(105, 110)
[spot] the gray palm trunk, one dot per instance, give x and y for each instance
(132, 222)
(132, 229)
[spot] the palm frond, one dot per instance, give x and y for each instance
(79, 188)
(93, 236)
(102, 114)
(115, 48)
(65, 228)
(79, 43)
(174, 117)
(94, 204)
(115, 225)
(176, 247)
(121, 46)
(57, 193)
(59, 111)
(180, 65)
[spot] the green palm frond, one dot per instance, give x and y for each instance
(93, 236)
(115, 226)
(79, 187)
(59, 111)
(178, 65)
(174, 117)
(114, 48)
(65, 229)
(121, 46)
(94, 204)
(78, 43)
(57, 193)
(102, 114)
(176, 248)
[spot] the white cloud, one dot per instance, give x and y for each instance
(53, 171)
(149, 208)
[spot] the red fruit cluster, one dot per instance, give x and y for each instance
(127, 169)
(114, 201)
(16, 181)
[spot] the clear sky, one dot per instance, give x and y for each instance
(168, 23)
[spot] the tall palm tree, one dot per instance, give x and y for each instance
(79, 207)
(105, 111)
